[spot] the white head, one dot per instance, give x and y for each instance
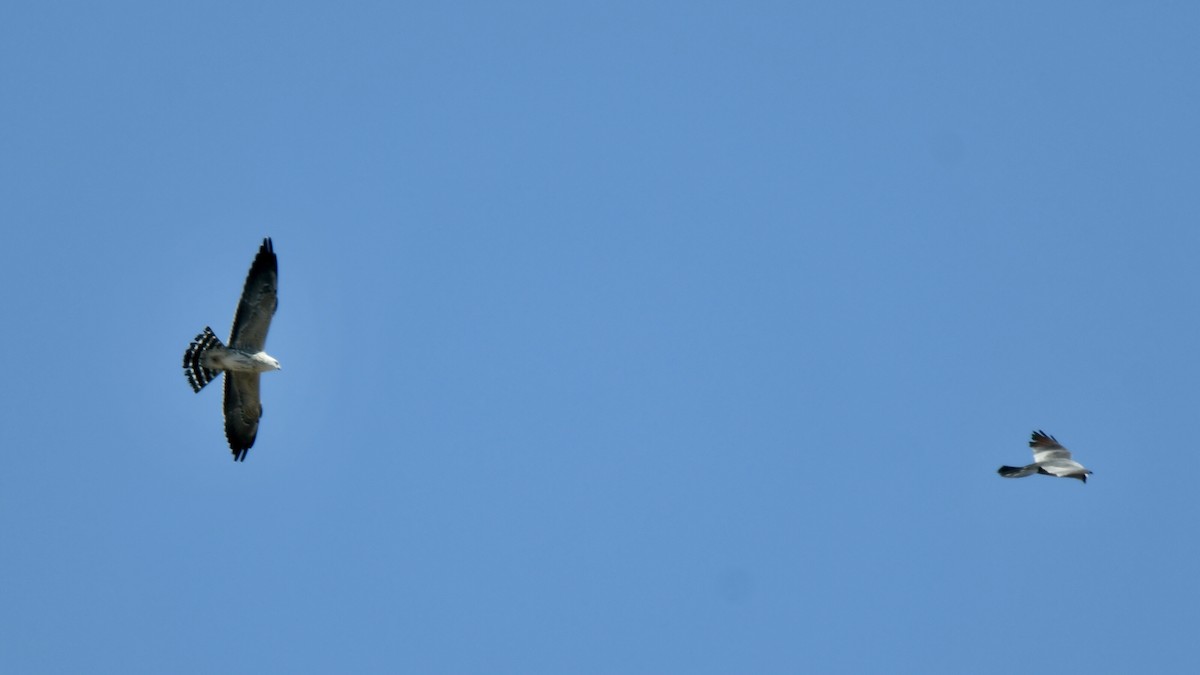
(267, 362)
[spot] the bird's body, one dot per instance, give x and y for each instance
(1049, 459)
(243, 360)
(227, 358)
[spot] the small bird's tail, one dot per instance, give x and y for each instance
(193, 360)
(1017, 471)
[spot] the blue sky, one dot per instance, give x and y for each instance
(616, 337)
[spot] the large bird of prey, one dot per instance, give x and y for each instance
(243, 359)
(1049, 458)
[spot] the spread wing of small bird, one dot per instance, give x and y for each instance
(1050, 458)
(243, 360)
(243, 408)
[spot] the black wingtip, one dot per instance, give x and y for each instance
(1040, 436)
(267, 249)
(265, 260)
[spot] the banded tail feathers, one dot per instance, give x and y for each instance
(193, 359)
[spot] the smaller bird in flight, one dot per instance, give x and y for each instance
(1050, 459)
(243, 359)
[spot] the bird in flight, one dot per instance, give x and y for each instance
(243, 359)
(1049, 458)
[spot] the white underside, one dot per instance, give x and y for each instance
(1063, 467)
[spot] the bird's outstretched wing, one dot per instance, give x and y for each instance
(257, 306)
(1046, 448)
(243, 409)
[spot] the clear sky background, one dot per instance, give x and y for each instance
(677, 337)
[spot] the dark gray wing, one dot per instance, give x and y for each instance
(1047, 448)
(257, 305)
(242, 411)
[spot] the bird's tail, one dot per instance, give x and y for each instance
(1017, 471)
(193, 359)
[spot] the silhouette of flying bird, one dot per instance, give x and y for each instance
(1050, 459)
(243, 359)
